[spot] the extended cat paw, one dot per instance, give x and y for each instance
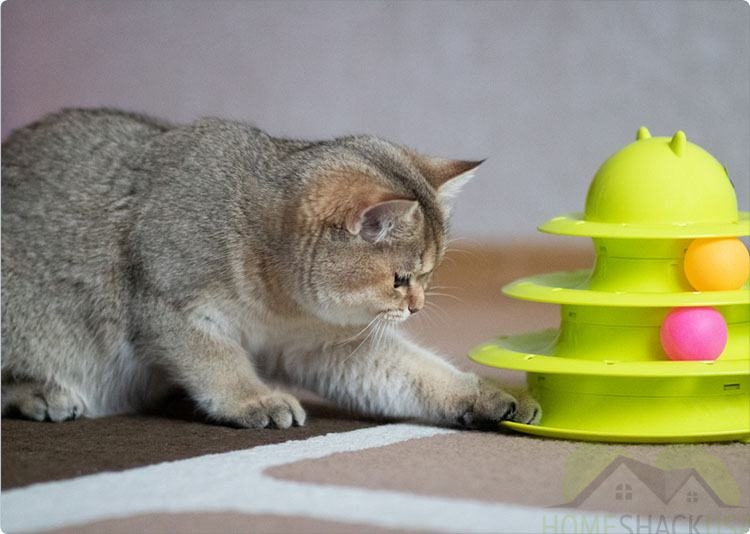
(492, 405)
(273, 409)
(528, 410)
(42, 402)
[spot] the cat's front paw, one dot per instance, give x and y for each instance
(528, 410)
(492, 404)
(270, 409)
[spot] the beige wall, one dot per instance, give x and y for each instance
(546, 90)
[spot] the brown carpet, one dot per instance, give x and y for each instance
(38, 452)
(224, 522)
(486, 466)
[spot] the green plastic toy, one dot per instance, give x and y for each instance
(603, 375)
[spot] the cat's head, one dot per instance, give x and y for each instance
(370, 228)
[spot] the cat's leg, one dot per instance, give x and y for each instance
(398, 378)
(218, 374)
(42, 402)
(220, 378)
(46, 350)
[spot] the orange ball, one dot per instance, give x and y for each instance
(717, 264)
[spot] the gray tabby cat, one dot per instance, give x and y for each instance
(138, 255)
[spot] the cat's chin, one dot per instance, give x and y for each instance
(384, 318)
(396, 316)
(349, 318)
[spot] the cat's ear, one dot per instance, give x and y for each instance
(448, 176)
(374, 223)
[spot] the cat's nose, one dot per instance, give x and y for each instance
(416, 300)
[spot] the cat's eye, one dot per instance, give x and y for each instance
(401, 280)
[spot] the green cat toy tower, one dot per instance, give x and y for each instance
(605, 375)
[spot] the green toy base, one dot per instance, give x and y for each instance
(638, 409)
(583, 435)
(627, 401)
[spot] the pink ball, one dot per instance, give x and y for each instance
(693, 334)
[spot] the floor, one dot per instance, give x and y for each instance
(172, 471)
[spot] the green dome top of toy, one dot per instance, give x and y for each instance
(661, 180)
(657, 188)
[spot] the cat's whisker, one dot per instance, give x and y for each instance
(378, 337)
(432, 319)
(355, 336)
(468, 240)
(447, 295)
(469, 252)
(438, 321)
(375, 323)
(445, 287)
(352, 353)
(427, 316)
(432, 306)
(387, 332)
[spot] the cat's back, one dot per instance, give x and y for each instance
(65, 182)
(74, 148)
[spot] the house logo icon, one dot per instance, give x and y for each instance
(632, 485)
